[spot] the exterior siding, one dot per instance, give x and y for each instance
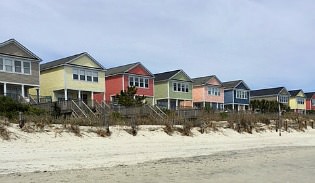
(113, 86)
(139, 71)
(160, 90)
(48, 82)
(181, 95)
(198, 93)
(228, 96)
(32, 79)
(309, 104)
(85, 61)
(269, 98)
(84, 85)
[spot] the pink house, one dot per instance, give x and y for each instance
(208, 92)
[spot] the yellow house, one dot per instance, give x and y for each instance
(297, 101)
(75, 77)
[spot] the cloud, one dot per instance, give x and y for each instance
(265, 43)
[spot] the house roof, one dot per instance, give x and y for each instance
(65, 60)
(29, 54)
(309, 95)
(295, 92)
(124, 69)
(168, 75)
(203, 80)
(267, 91)
(233, 84)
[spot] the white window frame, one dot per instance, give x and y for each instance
(75, 72)
(138, 81)
(300, 101)
(20, 66)
(241, 94)
(12, 61)
(95, 76)
(89, 74)
(180, 87)
(313, 102)
(2, 64)
(213, 91)
(283, 99)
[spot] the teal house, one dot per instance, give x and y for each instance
(173, 90)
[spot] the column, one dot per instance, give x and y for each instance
(79, 94)
(176, 104)
(168, 103)
(5, 89)
(66, 94)
(104, 97)
(92, 98)
(23, 91)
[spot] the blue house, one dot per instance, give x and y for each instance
(236, 95)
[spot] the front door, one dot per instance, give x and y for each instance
(84, 98)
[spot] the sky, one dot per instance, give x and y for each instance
(266, 43)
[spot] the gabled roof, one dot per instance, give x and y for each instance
(124, 69)
(267, 91)
(29, 54)
(233, 84)
(204, 80)
(309, 95)
(168, 75)
(294, 93)
(65, 61)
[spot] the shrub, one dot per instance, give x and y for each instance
(4, 132)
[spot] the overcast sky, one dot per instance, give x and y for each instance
(266, 43)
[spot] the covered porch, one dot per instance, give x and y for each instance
(174, 104)
(18, 92)
(68, 94)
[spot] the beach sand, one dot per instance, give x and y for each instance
(154, 156)
(276, 164)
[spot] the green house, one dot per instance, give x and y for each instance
(173, 90)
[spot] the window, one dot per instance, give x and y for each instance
(27, 67)
(300, 100)
(8, 65)
(180, 87)
(214, 91)
(313, 102)
(283, 99)
(18, 66)
(89, 75)
(75, 74)
(131, 81)
(241, 94)
(95, 77)
(146, 83)
(15, 66)
(1, 64)
(141, 82)
(138, 82)
(82, 75)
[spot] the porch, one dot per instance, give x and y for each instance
(174, 104)
(68, 94)
(18, 92)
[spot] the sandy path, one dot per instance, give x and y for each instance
(276, 164)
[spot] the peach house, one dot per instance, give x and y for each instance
(208, 92)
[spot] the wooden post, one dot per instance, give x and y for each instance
(21, 120)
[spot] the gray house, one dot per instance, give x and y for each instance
(19, 70)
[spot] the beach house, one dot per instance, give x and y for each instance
(119, 78)
(208, 92)
(279, 94)
(310, 101)
(236, 95)
(297, 101)
(173, 90)
(19, 70)
(78, 76)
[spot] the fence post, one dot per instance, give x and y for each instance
(21, 120)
